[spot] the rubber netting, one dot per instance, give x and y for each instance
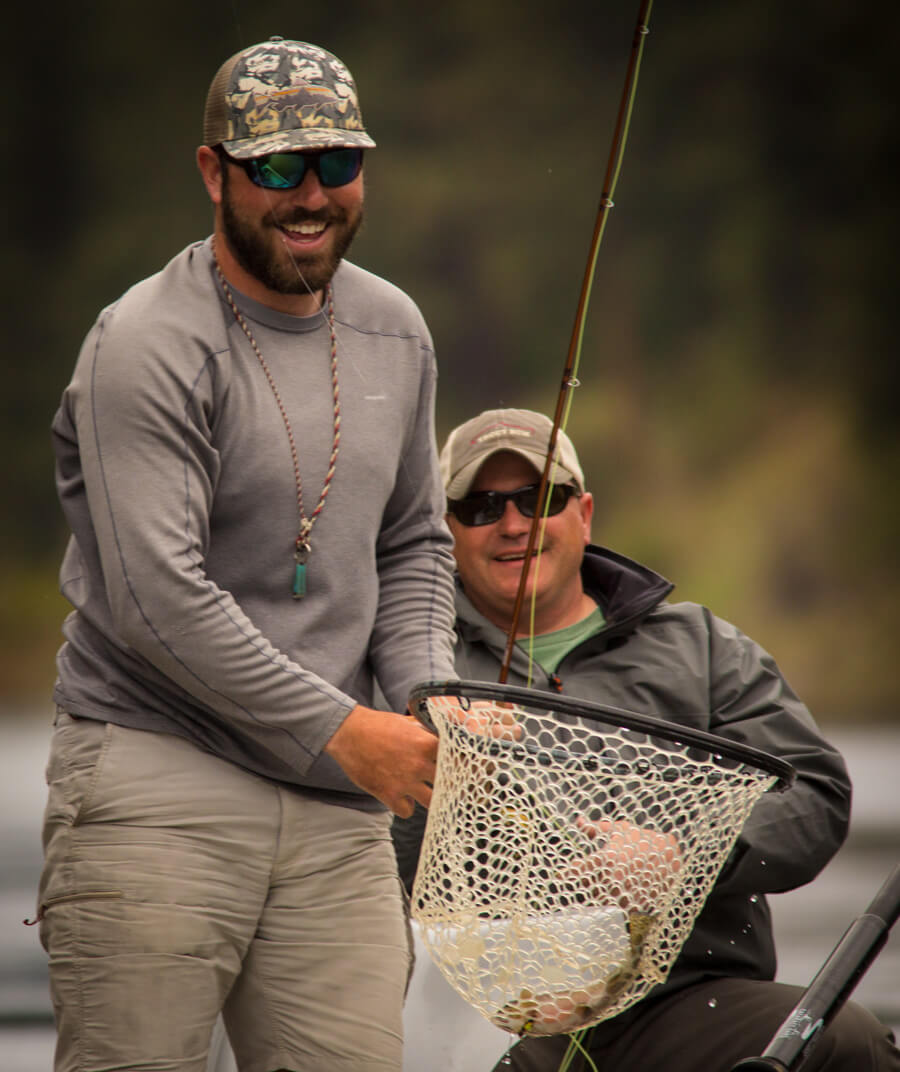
(565, 860)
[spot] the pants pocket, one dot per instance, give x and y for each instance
(72, 898)
(77, 753)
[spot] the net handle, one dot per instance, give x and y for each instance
(512, 694)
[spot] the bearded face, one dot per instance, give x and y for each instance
(270, 248)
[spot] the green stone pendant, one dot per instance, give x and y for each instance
(300, 557)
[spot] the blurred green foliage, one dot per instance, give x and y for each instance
(737, 414)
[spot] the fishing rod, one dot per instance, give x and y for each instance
(868, 933)
(569, 380)
(832, 986)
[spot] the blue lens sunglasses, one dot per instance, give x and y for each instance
(285, 171)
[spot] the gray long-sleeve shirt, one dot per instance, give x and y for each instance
(174, 471)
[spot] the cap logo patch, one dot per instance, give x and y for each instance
(502, 433)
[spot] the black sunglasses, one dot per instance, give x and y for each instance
(486, 507)
(285, 171)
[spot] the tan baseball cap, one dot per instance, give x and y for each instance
(281, 96)
(520, 430)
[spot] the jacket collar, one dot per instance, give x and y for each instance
(625, 590)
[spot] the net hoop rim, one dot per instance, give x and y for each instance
(671, 731)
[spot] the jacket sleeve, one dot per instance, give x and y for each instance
(790, 835)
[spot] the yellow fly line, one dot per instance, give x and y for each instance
(570, 376)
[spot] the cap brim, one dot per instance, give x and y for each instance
(289, 141)
(462, 481)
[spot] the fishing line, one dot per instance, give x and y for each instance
(573, 358)
(540, 548)
(576, 1046)
(569, 378)
(566, 398)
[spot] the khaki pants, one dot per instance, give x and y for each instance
(177, 885)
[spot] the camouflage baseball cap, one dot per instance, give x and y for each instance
(279, 96)
(522, 431)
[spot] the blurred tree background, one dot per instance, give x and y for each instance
(739, 383)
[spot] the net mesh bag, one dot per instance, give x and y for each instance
(569, 848)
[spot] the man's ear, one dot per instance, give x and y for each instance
(586, 505)
(210, 167)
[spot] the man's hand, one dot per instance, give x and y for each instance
(391, 756)
(486, 718)
(632, 865)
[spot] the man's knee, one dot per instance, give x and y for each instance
(856, 1040)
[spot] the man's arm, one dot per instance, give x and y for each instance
(412, 639)
(789, 836)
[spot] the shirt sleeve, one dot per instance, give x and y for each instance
(415, 568)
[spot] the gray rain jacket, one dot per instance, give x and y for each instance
(679, 662)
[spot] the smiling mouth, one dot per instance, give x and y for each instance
(307, 231)
(514, 556)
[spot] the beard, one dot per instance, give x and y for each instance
(259, 252)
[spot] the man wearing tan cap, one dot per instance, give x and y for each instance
(598, 626)
(246, 459)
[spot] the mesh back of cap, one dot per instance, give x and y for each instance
(215, 115)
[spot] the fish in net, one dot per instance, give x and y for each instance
(569, 848)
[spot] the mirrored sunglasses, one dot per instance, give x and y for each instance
(285, 171)
(486, 507)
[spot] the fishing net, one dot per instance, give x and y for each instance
(569, 848)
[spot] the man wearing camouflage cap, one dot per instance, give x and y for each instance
(245, 456)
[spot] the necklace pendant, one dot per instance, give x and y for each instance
(298, 590)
